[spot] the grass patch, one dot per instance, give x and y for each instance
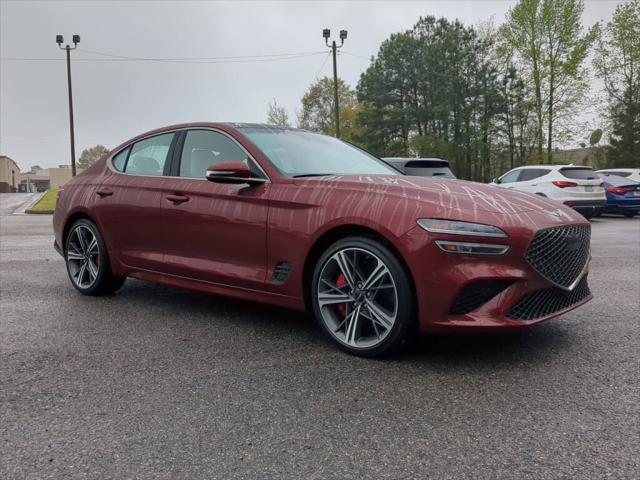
(47, 204)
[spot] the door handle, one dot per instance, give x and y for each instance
(104, 193)
(177, 199)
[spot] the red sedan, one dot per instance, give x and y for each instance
(306, 221)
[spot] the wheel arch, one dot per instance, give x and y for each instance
(71, 219)
(343, 231)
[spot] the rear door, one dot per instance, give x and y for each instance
(530, 178)
(127, 204)
(214, 232)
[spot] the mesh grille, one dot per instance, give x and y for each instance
(476, 294)
(543, 303)
(560, 254)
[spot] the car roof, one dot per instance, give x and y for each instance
(435, 162)
(554, 166)
(625, 170)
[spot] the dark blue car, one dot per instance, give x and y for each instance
(623, 195)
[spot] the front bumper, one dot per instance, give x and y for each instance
(57, 248)
(510, 294)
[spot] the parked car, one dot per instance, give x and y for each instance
(576, 186)
(421, 167)
(306, 221)
(623, 195)
(630, 173)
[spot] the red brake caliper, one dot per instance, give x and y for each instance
(341, 282)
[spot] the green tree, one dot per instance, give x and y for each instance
(434, 91)
(318, 107)
(617, 62)
(89, 155)
(277, 115)
(549, 38)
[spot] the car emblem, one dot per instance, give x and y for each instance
(557, 213)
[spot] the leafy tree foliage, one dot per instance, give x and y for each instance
(277, 115)
(89, 155)
(434, 91)
(551, 44)
(617, 62)
(318, 108)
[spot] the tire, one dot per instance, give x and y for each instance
(87, 260)
(375, 319)
(630, 214)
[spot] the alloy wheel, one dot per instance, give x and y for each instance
(357, 297)
(83, 256)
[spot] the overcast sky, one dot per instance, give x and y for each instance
(115, 100)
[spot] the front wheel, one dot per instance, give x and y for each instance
(87, 261)
(362, 297)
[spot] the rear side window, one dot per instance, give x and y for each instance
(532, 173)
(149, 156)
(579, 173)
(120, 159)
(203, 148)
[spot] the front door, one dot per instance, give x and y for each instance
(214, 232)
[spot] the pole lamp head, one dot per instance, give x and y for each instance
(343, 35)
(76, 38)
(59, 39)
(326, 33)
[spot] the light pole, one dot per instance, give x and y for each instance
(326, 33)
(76, 41)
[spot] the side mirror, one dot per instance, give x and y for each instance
(495, 180)
(232, 172)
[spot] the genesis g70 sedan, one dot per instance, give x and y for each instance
(306, 221)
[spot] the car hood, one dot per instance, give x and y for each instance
(445, 194)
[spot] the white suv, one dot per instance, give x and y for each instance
(574, 185)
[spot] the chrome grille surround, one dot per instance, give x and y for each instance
(561, 254)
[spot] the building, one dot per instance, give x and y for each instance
(9, 175)
(40, 180)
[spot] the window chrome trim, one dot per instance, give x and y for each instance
(175, 132)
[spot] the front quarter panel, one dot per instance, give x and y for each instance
(301, 212)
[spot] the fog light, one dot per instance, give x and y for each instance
(472, 248)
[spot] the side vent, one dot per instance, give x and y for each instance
(281, 272)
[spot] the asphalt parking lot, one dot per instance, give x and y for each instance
(156, 382)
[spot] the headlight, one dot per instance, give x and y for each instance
(472, 248)
(460, 228)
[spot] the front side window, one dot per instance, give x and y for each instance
(203, 148)
(510, 177)
(296, 153)
(149, 156)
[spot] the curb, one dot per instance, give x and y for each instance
(22, 209)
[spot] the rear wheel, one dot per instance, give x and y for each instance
(87, 261)
(362, 297)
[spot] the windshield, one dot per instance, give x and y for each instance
(298, 153)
